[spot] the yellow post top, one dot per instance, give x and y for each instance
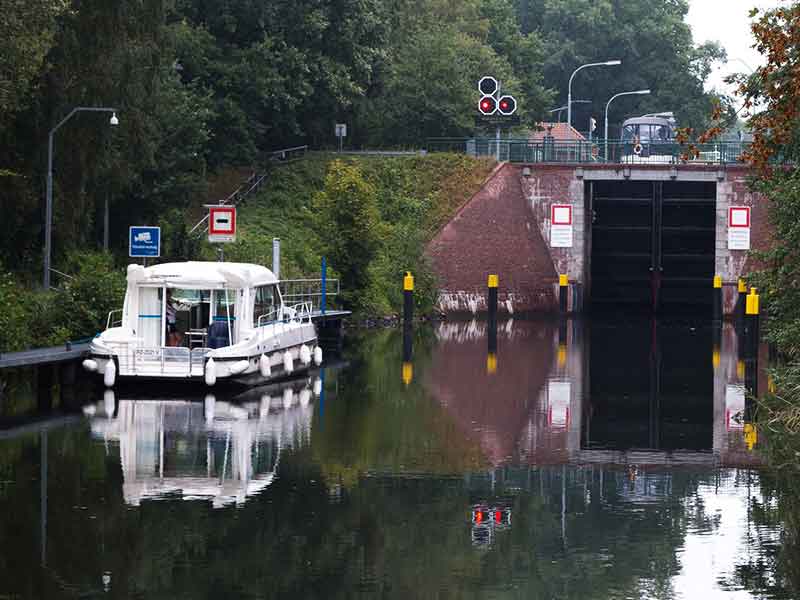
(491, 363)
(740, 369)
(715, 357)
(562, 355)
(563, 281)
(751, 306)
(493, 281)
(742, 286)
(750, 435)
(408, 282)
(717, 282)
(408, 372)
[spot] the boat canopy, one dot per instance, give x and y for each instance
(202, 275)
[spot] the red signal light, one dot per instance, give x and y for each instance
(507, 105)
(487, 105)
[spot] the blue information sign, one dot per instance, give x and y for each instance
(144, 242)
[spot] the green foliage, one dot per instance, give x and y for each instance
(349, 227)
(14, 317)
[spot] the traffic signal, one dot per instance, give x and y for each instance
(487, 86)
(507, 105)
(487, 105)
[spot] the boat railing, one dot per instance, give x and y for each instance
(159, 360)
(308, 290)
(111, 322)
(296, 313)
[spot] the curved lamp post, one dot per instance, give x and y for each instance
(48, 220)
(615, 96)
(608, 63)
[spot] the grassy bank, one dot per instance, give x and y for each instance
(370, 216)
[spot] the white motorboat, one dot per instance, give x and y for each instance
(204, 321)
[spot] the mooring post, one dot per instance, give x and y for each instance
(563, 288)
(408, 332)
(491, 305)
(717, 300)
(752, 323)
(741, 301)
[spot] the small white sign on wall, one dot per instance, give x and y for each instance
(561, 226)
(739, 228)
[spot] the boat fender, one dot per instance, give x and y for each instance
(287, 397)
(288, 363)
(108, 403)
(263, 409)
(264, 367)
(317, 386)
(90, 365)
(305, 354)
(239, 367)
(211, 372)
(209, 403)
(318, 356)
(305, 397)
(110, 374)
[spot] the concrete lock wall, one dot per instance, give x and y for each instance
(506, 229)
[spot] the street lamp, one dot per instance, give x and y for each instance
(637, 92)
(608, 63)
(48, 220)
(561, 109)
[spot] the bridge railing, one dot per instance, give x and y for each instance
(595, 152)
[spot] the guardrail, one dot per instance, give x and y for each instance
(594, 152)
(307, 290)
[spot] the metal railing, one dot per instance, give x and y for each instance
(307, 290)
(594, 152)
(300, 312)
(111, 322)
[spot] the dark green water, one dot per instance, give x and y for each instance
(596, 462)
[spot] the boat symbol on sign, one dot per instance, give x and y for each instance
(144, 236)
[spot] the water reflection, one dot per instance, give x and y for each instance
(222, 451)
(637, 393)
(591, 462)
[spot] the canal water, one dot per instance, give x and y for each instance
(581, 460)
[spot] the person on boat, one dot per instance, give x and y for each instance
(173, 337)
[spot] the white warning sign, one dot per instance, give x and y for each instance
(561, 226)
(739, 228)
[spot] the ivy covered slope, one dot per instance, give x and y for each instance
(369, 216)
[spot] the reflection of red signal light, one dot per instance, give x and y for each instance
(498, 516)
(477, 516)
(487, 105)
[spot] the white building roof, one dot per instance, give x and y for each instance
(197, 274)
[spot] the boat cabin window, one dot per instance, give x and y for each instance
(267, 303)
(187, 317)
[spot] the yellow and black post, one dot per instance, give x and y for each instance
(741, 301)
(751, 324)
(491, 305)
(717, 299)
(408, 331)
(563, 289)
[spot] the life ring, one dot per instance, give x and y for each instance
(637, 149)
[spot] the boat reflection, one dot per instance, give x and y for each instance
(222, 450)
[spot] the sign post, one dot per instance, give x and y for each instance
(144, 242)
(561, 226)
(341, 132)
(739, 228)
(221, 225)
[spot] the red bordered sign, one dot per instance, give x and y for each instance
(561, 214)
(221, 224)
(739, 216)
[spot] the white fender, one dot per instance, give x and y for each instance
(264, 367)
(305, 354)
(305, 397)
(110, 375)
(288, 363)
(317, 386)
(211, 372)
(108, 403)
(263, 408)
(89, 410)
(287, 397)
(318, 356)
(238, 367)
(90, 365)
(209, 403)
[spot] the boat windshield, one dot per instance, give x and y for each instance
(645, 133)
(267, 303)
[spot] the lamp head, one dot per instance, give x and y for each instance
(643, 92)
(612, 62)
(114, 120)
